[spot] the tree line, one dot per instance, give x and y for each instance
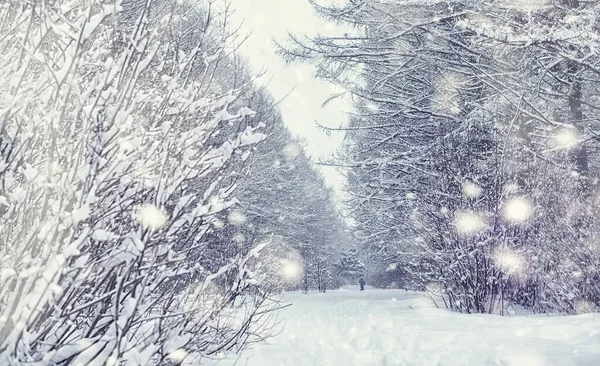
(471, 152)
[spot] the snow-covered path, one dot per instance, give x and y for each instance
(390, 327)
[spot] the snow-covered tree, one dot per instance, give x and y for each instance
(350, 266)
(112, 173)
(468, 156)
(285, 196)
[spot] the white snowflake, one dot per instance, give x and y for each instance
(471, 190)
(237, 218)
(291, 270)
(511, 188)
(469, 223)
(566, 138)
(517, 210)
(151, 216)
(508, 260)
(239, 238)
(218, 224)
(411, 196)
(178, 355)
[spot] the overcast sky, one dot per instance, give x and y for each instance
(273, 19)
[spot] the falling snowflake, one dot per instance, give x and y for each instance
(151, 217)
(239, 238)
(566, 138)
(511, 188)
(218, 224)
(509, 261)
(517, 210)
(291, 270)
(237, 218)
(469, 223)
(471, 190)
(178, 355)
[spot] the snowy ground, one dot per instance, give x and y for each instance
(390, 327)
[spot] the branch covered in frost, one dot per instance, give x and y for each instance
(109, 172)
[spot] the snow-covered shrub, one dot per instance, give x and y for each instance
(110, 178)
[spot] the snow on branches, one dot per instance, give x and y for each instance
(108, 165)
(469, 154)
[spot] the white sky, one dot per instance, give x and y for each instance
(273, 19)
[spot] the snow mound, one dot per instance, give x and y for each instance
(396, 327)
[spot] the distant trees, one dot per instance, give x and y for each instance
(469, 157)
(350, 266)
(283, 195)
